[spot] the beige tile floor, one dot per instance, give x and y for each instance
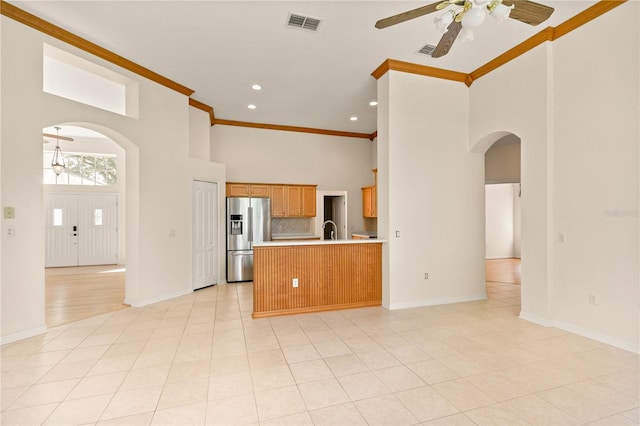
(201, 359)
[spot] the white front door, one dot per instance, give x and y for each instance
(205, 233)
(98, 230)
(61, 224)
(81, 230)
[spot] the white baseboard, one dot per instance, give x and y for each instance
(23, 335)
(545, 322)
(584, 332)
(433, 302)
(144, 302)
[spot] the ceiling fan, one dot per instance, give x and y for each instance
(464, 15)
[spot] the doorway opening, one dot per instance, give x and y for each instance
(333, 207)
(84, 225)
(503, 192)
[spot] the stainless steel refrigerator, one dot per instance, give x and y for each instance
(248, 221)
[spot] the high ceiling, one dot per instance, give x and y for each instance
(311, 79)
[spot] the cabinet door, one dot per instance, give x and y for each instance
(278, 203)
(366, 202)
(259, 191)
(294, 201)
(309, 201)
(374, 201)
(237, 190)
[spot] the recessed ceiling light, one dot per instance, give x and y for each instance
(354, 118)
(251, 106)
(373, 103)
(256, 87)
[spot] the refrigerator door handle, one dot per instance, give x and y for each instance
(250, 224)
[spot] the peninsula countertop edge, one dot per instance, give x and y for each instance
(315, 242)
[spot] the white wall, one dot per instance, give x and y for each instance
(500, 220)
(158, 181)
(199, 134)
(580, 138)
(597, 139)
(513, 99)
(431, 192)
(502, 163)
(333, 163)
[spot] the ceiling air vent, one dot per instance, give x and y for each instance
(427, 49)
(303, 22)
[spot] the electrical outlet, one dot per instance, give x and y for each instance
(10, 231)
(294, 282)
(426, 275)
(593, 299)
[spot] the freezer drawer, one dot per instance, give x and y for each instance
(239, 266)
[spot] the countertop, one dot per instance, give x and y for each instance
(365, 234)
(316, 242)
(306, 236)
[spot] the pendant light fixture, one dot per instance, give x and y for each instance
(57, 162)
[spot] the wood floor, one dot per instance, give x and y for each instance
(77, 293)
(72, 294)
(503, 270)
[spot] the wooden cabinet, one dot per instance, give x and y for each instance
(369, 201)
(278, 204)
(301, 201)
(309, 201)
(247, 190)
(286, 200)
(237, 189)
(260, 191)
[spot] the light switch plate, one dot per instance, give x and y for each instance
(9, 212)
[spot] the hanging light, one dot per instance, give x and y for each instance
(470, 13)
(57, 162)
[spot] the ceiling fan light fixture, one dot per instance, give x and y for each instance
(499, 11)
(443, 20)
(466, 34)
(474, 17)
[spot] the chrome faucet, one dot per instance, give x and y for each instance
(335, 228)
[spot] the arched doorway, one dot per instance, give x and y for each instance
(85, 222)
(503, 192)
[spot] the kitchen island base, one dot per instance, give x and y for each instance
(329, 276)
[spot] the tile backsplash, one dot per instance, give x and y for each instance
(289, 225)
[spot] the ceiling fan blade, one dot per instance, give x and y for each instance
(447, 40)
(529, 12)
(406, 16)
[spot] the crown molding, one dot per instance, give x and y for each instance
(408, 67)
(17, 14)
(291, 128)
(204, 107)
(548, 34)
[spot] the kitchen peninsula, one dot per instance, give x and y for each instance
(293, 277)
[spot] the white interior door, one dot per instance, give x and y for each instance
(205, 234)
(61, 240)
(81, 230)
(97, 230)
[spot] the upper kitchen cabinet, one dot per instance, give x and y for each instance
(247, 190)
(278, 201)
(369, 197)
(286, 200)
(301, 201)
(309, 201)
(369, 201)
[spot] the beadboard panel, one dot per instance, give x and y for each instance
(329, 276)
